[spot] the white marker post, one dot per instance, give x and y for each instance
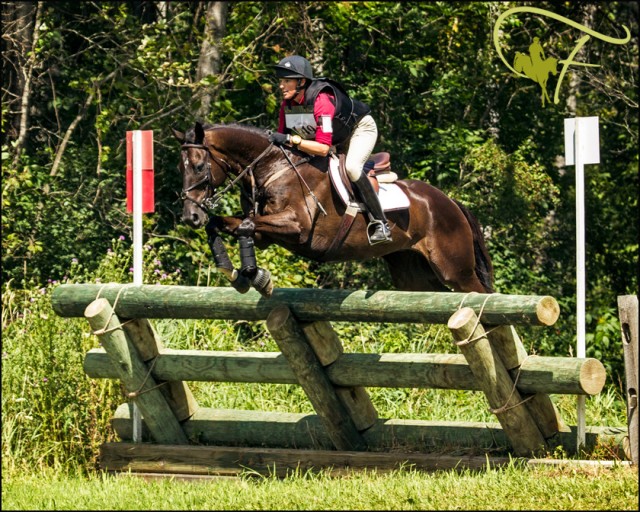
(140, 186)
(582, 146)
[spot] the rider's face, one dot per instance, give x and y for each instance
(288, 87)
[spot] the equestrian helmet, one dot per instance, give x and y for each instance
(294, 66)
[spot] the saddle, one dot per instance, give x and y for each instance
(377, 169)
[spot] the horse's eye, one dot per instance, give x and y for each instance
(199, 167)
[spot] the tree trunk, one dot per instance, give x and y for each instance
(21, 21)
(209, 62)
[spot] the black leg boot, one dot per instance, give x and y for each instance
(381, 232)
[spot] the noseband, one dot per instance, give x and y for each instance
(209, 203)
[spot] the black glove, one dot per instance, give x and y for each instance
(279, 138)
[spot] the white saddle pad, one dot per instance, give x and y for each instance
(391, 196)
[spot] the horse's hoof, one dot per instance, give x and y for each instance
(241, 284)
(262, 282)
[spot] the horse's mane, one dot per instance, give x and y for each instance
(190, 134)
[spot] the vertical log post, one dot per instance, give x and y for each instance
(293, 344)
(628, 311)
(134, 373)
(495, 381)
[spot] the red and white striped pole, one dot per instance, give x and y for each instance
(140, 190)
(140, 199)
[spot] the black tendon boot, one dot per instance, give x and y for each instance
(381, 232)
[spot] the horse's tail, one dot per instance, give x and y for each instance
(484, 267)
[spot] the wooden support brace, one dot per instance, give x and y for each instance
(495, 381)
(134, 373)
(507, 344)
(290, 337)
(327, 346)
(177, 393)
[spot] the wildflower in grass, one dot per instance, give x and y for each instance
(121, 238)
(74, 261)
(5, 355)
(130, 270)
(44, 379)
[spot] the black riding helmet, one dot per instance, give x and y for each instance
(294, 66)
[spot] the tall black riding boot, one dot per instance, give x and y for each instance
(381, 232)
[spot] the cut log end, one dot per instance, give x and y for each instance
(548, 310)
(461, 318)
(278, 317)
(592, 376)
(96, 308)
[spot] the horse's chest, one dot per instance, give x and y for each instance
(275, 200)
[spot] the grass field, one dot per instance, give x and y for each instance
(511, 488)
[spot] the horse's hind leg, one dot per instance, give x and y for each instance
(410, 271)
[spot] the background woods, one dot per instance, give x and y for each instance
(78, 75)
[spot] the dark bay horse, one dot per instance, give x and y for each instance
(288, 199)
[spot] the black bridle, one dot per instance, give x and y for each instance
(209, 203)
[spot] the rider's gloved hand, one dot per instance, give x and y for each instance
(279, 138)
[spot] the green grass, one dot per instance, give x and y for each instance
(511, 488)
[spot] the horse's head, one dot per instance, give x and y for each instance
(202, 171)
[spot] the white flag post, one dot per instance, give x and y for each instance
(582, 146)
(139, 182)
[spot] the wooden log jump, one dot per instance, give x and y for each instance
(493, 360)
(308, 305)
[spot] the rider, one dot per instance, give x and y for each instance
(316, 114)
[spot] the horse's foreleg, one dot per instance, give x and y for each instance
(222, 261)
(259, 277)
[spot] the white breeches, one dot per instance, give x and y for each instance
(361, 144)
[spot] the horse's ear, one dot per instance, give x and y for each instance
(178, 135)
(199, 133)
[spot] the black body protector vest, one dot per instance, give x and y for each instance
(299, 119)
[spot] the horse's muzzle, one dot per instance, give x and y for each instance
(194, 218)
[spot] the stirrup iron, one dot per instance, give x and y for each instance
(378, 225)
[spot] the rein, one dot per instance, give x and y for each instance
(210, 203)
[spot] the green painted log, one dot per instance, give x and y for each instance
(308, 305)
(552, 375)
(134, 373)
(229, 427)
(496, 383)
